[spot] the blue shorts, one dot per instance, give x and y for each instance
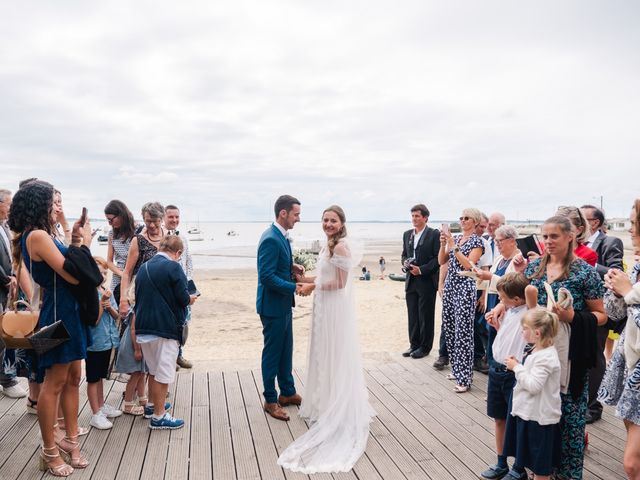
(499, 391)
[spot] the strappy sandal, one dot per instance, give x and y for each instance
(44, 463)
(451, 376)
(143, 400)
(76, 462)
(131, 408)
(32, 406)
(62, 426)
(461, 388)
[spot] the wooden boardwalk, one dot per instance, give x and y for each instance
(423, 431)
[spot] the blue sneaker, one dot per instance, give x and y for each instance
(513, 475)
(167, 422)
(148, 409)
(495, 472)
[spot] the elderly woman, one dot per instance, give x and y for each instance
(143, 246)
(561, 268)
(621, 384)
(459, 296)
(162, 298)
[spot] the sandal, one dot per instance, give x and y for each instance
(32, 406)
(143, 400)
(44, 463)
(61, 425)
(461, 388)
(451, 376)
(131, 408)
(76, 462)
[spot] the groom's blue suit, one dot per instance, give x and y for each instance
(274, 300)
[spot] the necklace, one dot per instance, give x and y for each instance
(157, 239)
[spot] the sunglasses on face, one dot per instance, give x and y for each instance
(465, 219)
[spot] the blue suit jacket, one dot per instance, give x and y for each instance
(275, 287)
(161, 298)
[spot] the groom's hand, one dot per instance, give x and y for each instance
(305, 289)
(297, 270)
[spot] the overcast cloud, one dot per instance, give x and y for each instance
(220, 107)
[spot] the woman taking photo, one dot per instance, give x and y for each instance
(459, 296)
(31, 218)
(560, 268)
(621, 383)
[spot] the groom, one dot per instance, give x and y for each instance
(275, 297)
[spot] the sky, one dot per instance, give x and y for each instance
(219, 107)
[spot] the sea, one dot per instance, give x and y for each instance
(222, 245)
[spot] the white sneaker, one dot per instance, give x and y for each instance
(15, 391)
(110, 412)
(99, 421)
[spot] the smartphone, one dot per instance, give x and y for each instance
(83, 217)
(445, 228)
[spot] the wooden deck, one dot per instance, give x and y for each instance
(423, 431)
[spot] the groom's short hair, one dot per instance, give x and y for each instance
(285, 202)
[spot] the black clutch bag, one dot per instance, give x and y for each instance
(49, 337)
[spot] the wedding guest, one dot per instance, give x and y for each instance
(161, 300)
(506, 250)
(560, 267)
(621, 384)
(143, 247)
(610, 252)
(31, 216)
(509, 342)
(582, 233)
(104, 338)
(459, 296)
(123, 229)
(9, 384)
(171, 223)
(420, 247)
(61, 226)
(532, 428)
(480, 333)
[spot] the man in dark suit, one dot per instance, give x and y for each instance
(420, 247)
(274, 299)
(610, 251)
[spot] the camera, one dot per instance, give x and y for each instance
(408, 263)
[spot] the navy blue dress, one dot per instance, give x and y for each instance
(66, 309)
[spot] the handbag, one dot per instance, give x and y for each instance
(17, 325)
(185, 326)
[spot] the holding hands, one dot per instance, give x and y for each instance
(305, 289)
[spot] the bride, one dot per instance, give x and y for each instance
(336, 400)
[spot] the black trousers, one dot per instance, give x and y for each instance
(421, 305)
(596, 373)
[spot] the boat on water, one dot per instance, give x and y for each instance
(194, 231)
(232, 233)
(103, 239)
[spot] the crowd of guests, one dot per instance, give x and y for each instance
(538, 323)
(135, 325)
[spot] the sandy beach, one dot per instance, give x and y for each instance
(226, 332)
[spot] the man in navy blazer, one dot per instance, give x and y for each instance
(274, 300)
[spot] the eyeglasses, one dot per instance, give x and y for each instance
(111, 218)
(465, 219)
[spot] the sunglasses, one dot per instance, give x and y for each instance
(465, 219)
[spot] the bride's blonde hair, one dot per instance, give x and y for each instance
(334, 239)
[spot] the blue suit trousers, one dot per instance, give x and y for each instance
(277, 357)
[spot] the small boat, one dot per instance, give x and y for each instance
(232, 233)
(196, 239)
(397, 277)
(103, 239)
(194, 231)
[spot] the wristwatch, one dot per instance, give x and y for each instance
(456, 249)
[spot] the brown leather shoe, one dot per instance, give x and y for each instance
(294, 399)
(276, 411)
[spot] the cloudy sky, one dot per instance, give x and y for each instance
(220, 106)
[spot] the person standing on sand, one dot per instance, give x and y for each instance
(274, 300)
(383, 265)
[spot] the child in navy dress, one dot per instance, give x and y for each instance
(532, 434)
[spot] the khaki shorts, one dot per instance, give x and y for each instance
(160, 357)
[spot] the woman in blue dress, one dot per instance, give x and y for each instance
(459, 296)
(31, 219)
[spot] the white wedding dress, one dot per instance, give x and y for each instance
(336, 401)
